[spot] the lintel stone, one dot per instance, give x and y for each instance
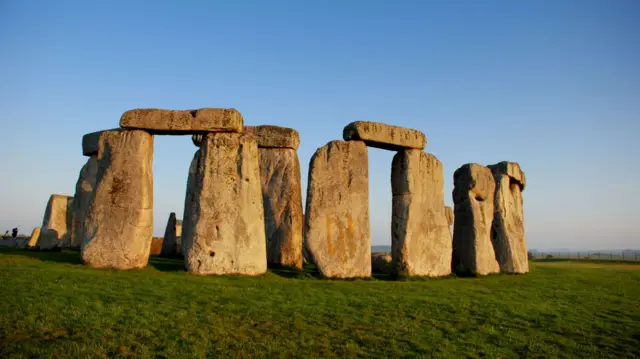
(386, 137)
(176, 122)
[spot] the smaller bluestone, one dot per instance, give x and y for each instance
(171, 245)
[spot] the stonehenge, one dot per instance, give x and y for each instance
(172, 243)
(57, 223)
(507, 229)
(119, 220)
(420, 240)
(243, 207)
(473, 194)
(336, 229)
(33, 240)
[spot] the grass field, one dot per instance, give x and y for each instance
(54, 307)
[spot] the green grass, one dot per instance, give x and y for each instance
(54, 307)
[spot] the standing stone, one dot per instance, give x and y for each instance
(119, 222)
(282, 200)
(33, 240)
(507, 232)
(281, 193)
(172, 237)
(420, 237)
(156, 246)
(57, 222)
(82, 198)
(448, 211)
(473, 206)
(337, 230)
(223, 228)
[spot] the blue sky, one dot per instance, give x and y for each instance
(553, 85)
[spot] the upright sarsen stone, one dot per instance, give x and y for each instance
(57, 222)
(420, 237)
(337, 230)
(473, 206)
(507, 232)
(119, 222)
(171, 245)
(282, 200)
(33, 240)
(223, 225)
(82, 198)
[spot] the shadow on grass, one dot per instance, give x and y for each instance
(167, 264)
(68, 256)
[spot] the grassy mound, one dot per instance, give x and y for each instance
(52, 306)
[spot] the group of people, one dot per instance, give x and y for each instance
(14, 233)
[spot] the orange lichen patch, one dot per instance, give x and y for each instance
(329, 246)
(350, 223)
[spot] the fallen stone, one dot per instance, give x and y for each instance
(448, 211)
(507, 232)
(82, 199)
(118, 228)
(282, 200)
(223, 227)
(33, 240)
(160, 121)
(57, 222)
(420, 237)
(274, 136)
(382, 263)
(386, 137)
(156, 246)
(337, 214)
(473, 194)
(172, 237)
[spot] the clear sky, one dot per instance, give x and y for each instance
(553, 85)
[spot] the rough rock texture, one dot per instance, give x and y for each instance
(420, 237)
(156, 246)
(448, 212)
(507, 232)
(223, 228)
(82, 199)
(387, 137)
(33, 240)
(382, 263)
(274, 136)
(473, 206)
(160, 121)
(282, 200)
(337, 230)
(90, 142)
(58, 217)
(119, 222)
(171, 246)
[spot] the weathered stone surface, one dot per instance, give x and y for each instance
(156, 246)
(282, 200)
(82, 199)
(33, 240)
(161, 121)
(507, 232)
(420, 237)
(171, 246)
(90, 142)
(473, 193)
(223, 227)
(382, 263)
(118, 228)
(337, 230)
(448, 211)
(387, 137)
(274, 136)
(58, 217)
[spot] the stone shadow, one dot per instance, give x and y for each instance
(67, 256)
(167, 264)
